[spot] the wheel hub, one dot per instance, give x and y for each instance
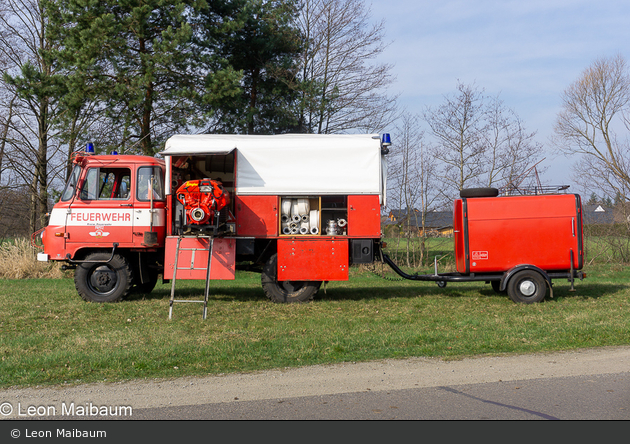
(103, 280)
(528, 288)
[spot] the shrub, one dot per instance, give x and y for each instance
(18, 260)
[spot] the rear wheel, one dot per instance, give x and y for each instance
(102, 281)
(527, 287)
(151, 277)
(496, 286)
(286, 291)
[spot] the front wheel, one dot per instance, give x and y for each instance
(527, 287)
(285, 291)
(97, 280)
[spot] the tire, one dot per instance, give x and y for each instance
(479, 192)
(286, 291)
(146, 287)
(496, 286)
(103, 282)
(527, 287)
(441, 284)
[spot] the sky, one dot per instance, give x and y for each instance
(527, 52)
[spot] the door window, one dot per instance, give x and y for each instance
(106, 184)
(150, 184)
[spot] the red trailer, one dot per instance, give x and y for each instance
(517, 243)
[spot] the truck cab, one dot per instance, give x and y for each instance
(110, 222)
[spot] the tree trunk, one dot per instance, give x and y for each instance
(5, 132)
(253, 98)
(41, 169)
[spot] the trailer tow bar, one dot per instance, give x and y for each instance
(440, 279)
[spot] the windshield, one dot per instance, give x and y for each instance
(71, 185)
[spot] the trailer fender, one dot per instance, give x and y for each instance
(512, 271)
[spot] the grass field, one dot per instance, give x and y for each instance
(49, 335)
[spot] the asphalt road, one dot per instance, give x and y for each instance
(598, 397)
(591, 384)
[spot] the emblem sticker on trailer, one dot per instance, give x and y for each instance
(479, 255)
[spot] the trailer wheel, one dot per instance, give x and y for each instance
(527, 287)
(441, 284)
(285, 291)
(101, 281)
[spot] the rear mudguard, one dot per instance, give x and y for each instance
(512, 271)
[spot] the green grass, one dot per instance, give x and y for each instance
(49, 335)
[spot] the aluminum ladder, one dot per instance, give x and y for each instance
(208, 268)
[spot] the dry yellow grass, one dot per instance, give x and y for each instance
(18, 260)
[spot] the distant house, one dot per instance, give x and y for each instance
(598, 214)
(437, 223)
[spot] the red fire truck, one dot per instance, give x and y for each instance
(304, 208)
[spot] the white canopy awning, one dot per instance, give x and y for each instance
(294, 164)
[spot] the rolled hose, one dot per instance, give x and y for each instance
(314, 221)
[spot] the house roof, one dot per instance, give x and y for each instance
(433, 219)
(597, 214)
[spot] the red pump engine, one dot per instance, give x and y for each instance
(201, 198)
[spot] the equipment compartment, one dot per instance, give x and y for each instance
(300, 216)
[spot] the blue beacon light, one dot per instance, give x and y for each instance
(386, 141)
(89, 148)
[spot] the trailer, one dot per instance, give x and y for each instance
(517, 243)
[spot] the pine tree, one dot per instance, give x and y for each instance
(260, 41)
(137, 58)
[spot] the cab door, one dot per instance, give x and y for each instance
(149, 209)
(102, 211)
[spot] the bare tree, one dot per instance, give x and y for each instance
(411, 182)
(594, 124)
(509, 148)
(5, 124)
(342, 88)
(458, 126)
(28, 77)
(480, 141)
